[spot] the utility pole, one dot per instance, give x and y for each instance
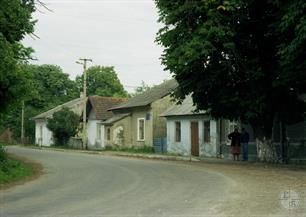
(83, 61)
(22, 122)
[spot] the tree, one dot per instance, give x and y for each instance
(240, 60)
(64, 124)
(47, 87)
(15, 22)
(102, 81)
(141, 89)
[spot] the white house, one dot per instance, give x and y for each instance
(195, 133)
(97, 107)
(97, 112)
(43, 136)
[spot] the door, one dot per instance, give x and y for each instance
(194, 128)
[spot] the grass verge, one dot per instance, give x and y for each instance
(13, 170)
(142, 149)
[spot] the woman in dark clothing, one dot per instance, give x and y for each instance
(235, 138)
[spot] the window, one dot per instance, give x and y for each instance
(108, 133)
(140, 129)
(98, 131)
(177, 131)
(206, 131)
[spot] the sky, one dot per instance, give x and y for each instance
(117, 33)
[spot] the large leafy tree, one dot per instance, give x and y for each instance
(48, 86)
(102, 81)
(15, 22)
(64, 124)
(242, 60)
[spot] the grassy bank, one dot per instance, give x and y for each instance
(142, 149)
(12, 169)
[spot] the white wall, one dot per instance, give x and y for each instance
(184, 146)
(92, 134)
(43, 136)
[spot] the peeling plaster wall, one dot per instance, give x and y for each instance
(183, 147)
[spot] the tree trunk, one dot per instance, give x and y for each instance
(267, 150)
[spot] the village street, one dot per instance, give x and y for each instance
(76, 184)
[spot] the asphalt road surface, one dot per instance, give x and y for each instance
(76, 184)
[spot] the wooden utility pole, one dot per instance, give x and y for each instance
(22, 122)
(83, 61)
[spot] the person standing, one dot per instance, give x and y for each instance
(235, 138)
(245, 144)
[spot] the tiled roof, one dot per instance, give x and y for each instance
(100, 105)
(71, 104)
(186, 108)
(149, 96)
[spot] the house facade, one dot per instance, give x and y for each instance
(43, 136)
(196, 133)
(97, 112)
(137, 122)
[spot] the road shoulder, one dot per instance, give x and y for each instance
(37, 171)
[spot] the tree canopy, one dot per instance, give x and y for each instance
(242, 60)
(15, 22)
(47, 87)
(102, 81)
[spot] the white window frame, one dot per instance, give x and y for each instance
(144, 129)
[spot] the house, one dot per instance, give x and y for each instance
(97, 112)
(196, 133)
(43, 136)
(137, 122)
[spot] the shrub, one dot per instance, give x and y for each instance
(3, 160)
(64, 124)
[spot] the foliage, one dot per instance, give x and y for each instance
(102, 81)
(133, 149)
(48, 87)
(242, 60)
(64, 124)
(3, 154)
(15, 22)
(14, 170)
(139, 90)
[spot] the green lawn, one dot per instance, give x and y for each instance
(13, 170)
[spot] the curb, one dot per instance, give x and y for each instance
(119, 154)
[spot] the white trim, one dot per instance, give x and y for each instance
(144, 129)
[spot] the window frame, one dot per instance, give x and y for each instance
(177, 132)
(207, 137)
(138, 129)
(108, 134)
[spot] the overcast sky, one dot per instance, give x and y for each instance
(118, 33)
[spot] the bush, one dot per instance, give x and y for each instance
(3, 160)
(141, 149)
(64, 124)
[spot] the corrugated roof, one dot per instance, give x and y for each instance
(149, 96)
(100, 105)
(116, 118)
(71, 104)
(186, 108)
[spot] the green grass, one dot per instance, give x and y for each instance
(143, 149)
(13, 170)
